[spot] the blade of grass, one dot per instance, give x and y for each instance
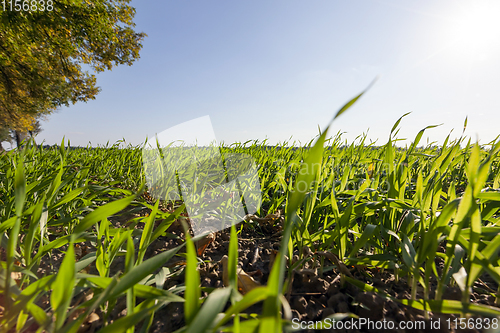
(62, 289)
(192, 276)
(20, 198)
(213, 305)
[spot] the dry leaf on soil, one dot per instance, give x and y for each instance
(203, 243)
(245, 281)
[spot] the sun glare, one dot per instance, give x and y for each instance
(475, 28)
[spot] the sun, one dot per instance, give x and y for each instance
(473, 29)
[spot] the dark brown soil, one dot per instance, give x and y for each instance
(315, 293)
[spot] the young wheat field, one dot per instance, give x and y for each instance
(344, 232)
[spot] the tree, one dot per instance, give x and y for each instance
(9, 135)
(4, 136)
(42, 53)
(34, 129)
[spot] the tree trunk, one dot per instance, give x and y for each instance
(32, 137)
(20, 136)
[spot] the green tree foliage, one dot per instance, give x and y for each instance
(42, 53)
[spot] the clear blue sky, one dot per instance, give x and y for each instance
(279, 68)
